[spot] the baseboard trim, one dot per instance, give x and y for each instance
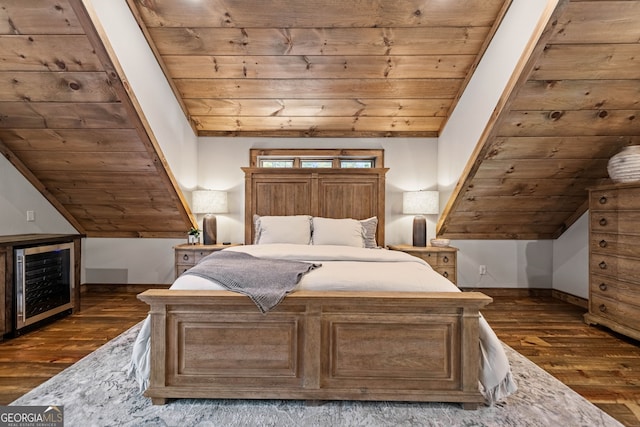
(532, 292)
(571, 299)
(120, 287)
(511, 292)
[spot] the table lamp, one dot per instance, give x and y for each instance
(420, 203)
(209, 202)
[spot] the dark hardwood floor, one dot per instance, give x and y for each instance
(600, 365)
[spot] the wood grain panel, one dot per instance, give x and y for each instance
(258, 349)
(354, 354)
(99, 179)
(568, 147)
(38, 17)
(87, 161)
(347, 198)
(56, 87)
(282, 198)
(522, 204)
(318, 107)
(72, 139)
(313, 67)
(63, 115)
(515, 187)
(572, 123)
(594, 21)
(602, 61)
(318, 124)
(286, 14)
(332, 193)
(47, 53)
(93, 196)
(569, 94)
(542, 169)
(318, 41)
(310, 89)
(505, 230)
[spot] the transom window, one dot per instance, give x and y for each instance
(333, 159)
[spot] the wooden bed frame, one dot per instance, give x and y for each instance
(316, 345)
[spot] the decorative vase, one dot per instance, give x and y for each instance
(625, 166)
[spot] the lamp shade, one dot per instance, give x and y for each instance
(420, 202)
(209, 201)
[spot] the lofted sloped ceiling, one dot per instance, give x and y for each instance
(68, 124)
(325, 68)
(350, 68)
(575, 105)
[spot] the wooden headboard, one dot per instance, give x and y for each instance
(329, 193)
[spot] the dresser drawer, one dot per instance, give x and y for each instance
(620, 312)
(190, 257)
(619, 244)
(625, 222)
(615, 199)
(612, 266)
(607, 287)
(447, 272)
(181, 268)
(439, 259)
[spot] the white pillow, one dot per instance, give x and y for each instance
(330, 231)
(283, 229)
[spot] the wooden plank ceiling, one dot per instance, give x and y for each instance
(67, 123)
(350, 68)
(326, 68)
(577, 105)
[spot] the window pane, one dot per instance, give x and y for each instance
(276, 163)
(316, 164)
(356, 164)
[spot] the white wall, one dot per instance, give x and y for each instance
(17, 196)
(509, 263)
(412, 163)
(571, 259)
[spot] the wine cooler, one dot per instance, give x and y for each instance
(44, 282)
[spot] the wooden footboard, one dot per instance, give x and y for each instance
(316, 346)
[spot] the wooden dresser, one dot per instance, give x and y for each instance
(614, 258)
(442, 260)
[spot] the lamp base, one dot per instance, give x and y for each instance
(419, 231)
(209, 230)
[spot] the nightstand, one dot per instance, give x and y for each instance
(443, 260)
(188, 255)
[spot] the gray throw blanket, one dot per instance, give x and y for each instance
(265, 281)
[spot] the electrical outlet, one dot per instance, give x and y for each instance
(31, 216)
(483, 270)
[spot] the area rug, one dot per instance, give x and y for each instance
(97, 392)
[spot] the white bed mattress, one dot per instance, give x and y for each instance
(350, 268)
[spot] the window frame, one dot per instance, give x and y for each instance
(298, 156)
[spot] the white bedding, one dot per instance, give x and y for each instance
(342, 269)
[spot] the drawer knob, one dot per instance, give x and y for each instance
(445, 259)
(603, 200)
(602, 243)
(603, 286)
(185, 257)
(445, 274)
(602, 265)
(602, 308)
(603, 221)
